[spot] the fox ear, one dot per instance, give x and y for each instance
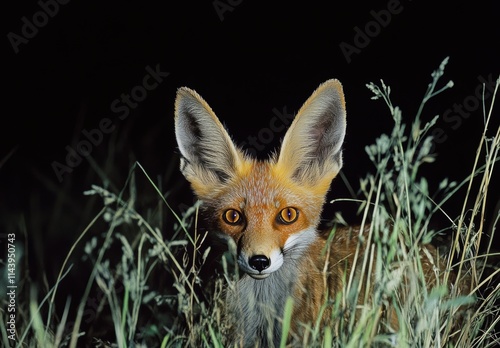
(209, 156)
(311, 150)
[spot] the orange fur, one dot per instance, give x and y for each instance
(271, 210)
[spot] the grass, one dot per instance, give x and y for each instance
(146, 276)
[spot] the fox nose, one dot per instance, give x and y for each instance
(259, 262)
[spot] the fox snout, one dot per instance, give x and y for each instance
(260, 260)
(259, 265)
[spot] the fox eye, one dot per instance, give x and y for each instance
(288, 215)
(232, 217)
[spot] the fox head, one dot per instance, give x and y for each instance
(270, 208)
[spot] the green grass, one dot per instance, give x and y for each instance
(149, 280)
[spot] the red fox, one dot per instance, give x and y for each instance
(271, 210)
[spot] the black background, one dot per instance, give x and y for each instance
(245, 60)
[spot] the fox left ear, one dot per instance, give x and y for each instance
(209, 156)
(311, 152)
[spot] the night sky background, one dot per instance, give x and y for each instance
(248, 60)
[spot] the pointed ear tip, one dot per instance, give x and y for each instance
(333, 83)
(184, 94)
(334, 86)
(183, 91)
(181, 96)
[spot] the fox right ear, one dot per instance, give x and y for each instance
(209, 156)
(311, 152)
